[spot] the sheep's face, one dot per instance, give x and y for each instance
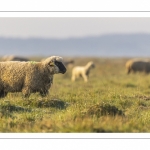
(92, 65)
(61, 67)
(55, 65)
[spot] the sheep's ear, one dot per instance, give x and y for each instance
(51, 63)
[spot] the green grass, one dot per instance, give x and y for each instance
(111, 101)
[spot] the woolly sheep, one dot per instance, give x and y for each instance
(82, 71)
(29, 77)
(136, 65)
(13, 58)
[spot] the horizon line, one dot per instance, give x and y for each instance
(73, 37)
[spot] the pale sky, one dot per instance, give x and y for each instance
(53, 27)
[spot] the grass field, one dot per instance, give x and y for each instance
(111, 101)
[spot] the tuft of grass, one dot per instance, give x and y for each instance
(104, 109)
(46, 103)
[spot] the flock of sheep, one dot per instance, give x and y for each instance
(22, 75)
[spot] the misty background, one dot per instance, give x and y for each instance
(98, 37)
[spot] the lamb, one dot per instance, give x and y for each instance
(82, 71)
(29, 77)
(14, 58)
(136, 65)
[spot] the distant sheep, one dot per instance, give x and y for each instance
(82, 71)
(13, 58)
(138, 66)
(29, 77)
(69, 63)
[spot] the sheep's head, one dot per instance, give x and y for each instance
(91, 64)
(55, 64)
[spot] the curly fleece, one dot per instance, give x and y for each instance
(27, 77)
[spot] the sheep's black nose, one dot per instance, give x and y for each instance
(62, 68)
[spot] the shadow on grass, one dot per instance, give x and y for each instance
(7, 106)
(6, 109)
(55, 103)
(130, 85)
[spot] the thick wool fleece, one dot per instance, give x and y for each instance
(27, 77)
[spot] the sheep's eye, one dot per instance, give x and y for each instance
(51, 64)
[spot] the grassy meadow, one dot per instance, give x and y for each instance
(111, 101)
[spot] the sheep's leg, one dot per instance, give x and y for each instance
(73, 78)
(85, 77)
(44, 93)
(3, 94)
(26, 92)
(26, 95)
(128, 71)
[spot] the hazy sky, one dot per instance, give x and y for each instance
(53, 27)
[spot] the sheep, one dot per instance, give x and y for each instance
(82, 71)
(13, 58)
(136, 65)
(29, 77)
(69, 63)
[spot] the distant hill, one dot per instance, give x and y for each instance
(113, 45)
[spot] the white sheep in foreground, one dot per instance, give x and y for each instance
(29, 77)
(82, 71)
